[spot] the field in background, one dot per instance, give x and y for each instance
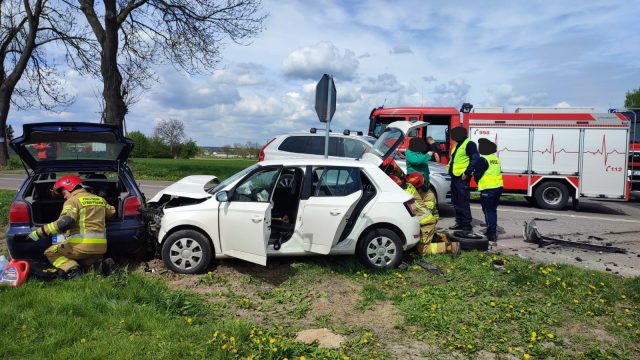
(175, 169)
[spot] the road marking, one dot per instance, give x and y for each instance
(16, 179)
(563, 215)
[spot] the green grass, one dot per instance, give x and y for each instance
(6, 197)
(130, 316)
(175, 169)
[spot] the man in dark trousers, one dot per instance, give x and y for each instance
(462, 164)
(488, 175)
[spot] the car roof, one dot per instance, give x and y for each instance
(353, 135)
(319, 161)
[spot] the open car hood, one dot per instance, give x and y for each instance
(72, 145)
(192, 187)
(390, 140)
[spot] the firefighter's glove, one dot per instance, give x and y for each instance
(34, 235)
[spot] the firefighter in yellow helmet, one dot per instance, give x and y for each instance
(83, 220)
(429, 242)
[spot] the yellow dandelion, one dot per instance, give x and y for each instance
(550, 335)
(526, 356)
(83, 340)
(232, 339)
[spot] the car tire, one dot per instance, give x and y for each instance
(470, 244)
(380, 249)
(552, 195)
(187, 252)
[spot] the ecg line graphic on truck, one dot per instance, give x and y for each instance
(551, 150)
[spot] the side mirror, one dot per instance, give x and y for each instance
(222, 196)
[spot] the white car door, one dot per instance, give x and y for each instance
(334, 195)
(245, 218)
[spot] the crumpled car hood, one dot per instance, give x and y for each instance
(191, 186)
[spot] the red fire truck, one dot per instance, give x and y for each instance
(548, 155)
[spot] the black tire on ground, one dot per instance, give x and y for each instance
(187, 252)
(552, 195)
(380, 249)
(470, 244)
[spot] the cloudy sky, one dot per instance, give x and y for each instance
(396, 53)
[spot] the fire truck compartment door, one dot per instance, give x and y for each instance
(513, 149)
(604, 171)
(556, 151)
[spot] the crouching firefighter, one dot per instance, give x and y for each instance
(83, 220)
(430, 241)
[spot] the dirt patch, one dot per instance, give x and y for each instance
(324, 337)
(573, 333)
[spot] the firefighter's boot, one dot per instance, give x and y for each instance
(74, 272)
(453, 248)
(105, 267)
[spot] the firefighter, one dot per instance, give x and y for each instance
(461, 165)
(83, 220)
(489, 178)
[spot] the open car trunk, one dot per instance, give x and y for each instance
(46, 208)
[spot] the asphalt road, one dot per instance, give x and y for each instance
(617, 223)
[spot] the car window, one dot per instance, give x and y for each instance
(309, 144)
(353, 148)
(336, 181)
(389, 138)
(257, 188)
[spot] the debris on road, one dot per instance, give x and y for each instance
(545, 219)
(532, 235)
(432, 269)
(499, 265)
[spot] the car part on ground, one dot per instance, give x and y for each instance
(478, 242)
(532, 235)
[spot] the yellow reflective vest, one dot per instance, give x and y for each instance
(461, 160)
(492, 178)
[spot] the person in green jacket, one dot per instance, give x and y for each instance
(417, 157)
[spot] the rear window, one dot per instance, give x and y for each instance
(313, 145)
(58, 150)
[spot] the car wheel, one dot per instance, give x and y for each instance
(552, 195)
(187, 252)
(380, 249)
(470, 244)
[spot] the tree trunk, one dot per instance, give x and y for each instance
(5, 104)
(115, 108)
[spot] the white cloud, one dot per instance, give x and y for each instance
(310, 62)
(401, 49)
(452, 93)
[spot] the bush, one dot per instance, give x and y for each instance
(141, 149)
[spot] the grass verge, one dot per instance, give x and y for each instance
(130, 316)
(175, 169)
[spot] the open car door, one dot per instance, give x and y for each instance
(390, 140)
(245, 218)
(334, 195)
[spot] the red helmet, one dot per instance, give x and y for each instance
(396, 180)
(68, 183)
(416, 179)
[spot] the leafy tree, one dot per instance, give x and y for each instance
(158, 149)
(134, 35)
(141, 149)
(189, 149)
(632, 100)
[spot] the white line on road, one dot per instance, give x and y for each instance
(16, 179)
(563, 215)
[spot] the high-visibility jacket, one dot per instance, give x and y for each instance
(424, 215)
(83, 220)
(461, 160)
(492, 178)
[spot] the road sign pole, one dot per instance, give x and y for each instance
(326, 135)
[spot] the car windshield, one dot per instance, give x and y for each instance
(62, 150)
(232, 178)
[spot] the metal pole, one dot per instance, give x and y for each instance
(326, 136)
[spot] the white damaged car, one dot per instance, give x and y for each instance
(289, 207)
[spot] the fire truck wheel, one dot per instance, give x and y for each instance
(552, 195)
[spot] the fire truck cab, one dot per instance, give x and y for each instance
(548, 155)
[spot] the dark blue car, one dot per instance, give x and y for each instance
(98, 154)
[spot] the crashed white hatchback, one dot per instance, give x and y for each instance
(290, 207)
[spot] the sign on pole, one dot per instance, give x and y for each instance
(326, 98)
(326, 105)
